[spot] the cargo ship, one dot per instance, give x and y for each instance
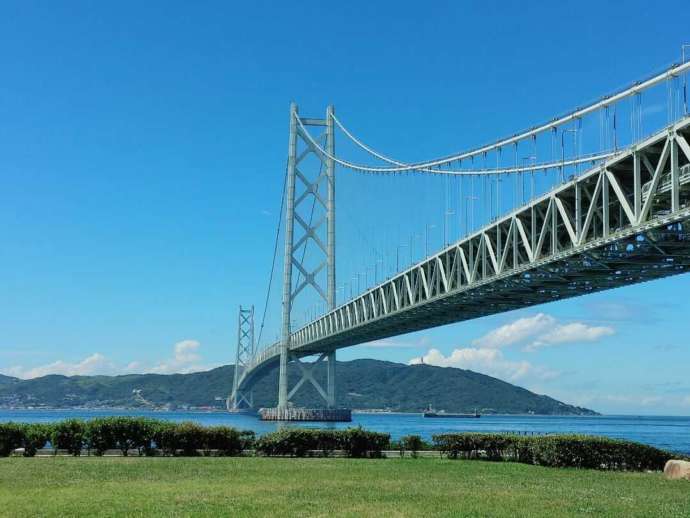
(430, 412)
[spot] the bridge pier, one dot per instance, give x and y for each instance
(306, 414)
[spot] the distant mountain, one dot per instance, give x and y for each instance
(7, 380)
(361, 384)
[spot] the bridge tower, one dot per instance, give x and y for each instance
(245, 354)
(309, 184)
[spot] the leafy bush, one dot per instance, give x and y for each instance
(35, 437)
(11, 437)
(132, 433)
(69, 435)
(225, 440)
(581, 451)
(164, 437)
(144, 435)
(327, 441)
(99, 436)
(295, 442)
(575, 451)
(190, 438)
(358, 442)
(179, 438)
(247, 439)
(411, 443)
(298, 442)
(123, 433)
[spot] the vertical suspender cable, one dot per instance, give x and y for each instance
(275, 254)
(615, 134)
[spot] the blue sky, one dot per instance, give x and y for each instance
(142, 149)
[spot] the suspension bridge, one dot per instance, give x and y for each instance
(600, 198)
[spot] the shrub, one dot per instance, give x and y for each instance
(490, 446)
(411, 443)
(580, 451)
(35, 437)
(179, 438)
(164, 437)
(69, 435)
(452, 444)
(575, 451)
(327, 441)
(521, 449)
(295, 442)
(132, 433)
(298, 442)
(99, 437)
(359, 443)
(247, 439)
(123, 433)
(11, 437)
(225, 440)
(190, 438)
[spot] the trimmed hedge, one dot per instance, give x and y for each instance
(188, 439)
(122, 433)
(411, 443)
(146, 436)
(11, 437)
(300, 442)
(357, 442)
(69, 435)
(30, 437)
(36, 436)
(574, 451)
(150, 437)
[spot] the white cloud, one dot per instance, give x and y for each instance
(133, 367)
(186, 358)
(686, 401)
(515, 332)
(89, 366)
(486, 361)
(570, 333)
(539, 331)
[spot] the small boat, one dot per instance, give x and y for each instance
(430, 412)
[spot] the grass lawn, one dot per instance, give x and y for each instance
(326, 487)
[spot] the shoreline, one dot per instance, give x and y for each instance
(223, 411)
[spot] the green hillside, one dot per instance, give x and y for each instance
(7, 380)
(362, 384)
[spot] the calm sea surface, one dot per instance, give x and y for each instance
(672, 433)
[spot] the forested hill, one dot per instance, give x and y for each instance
(361, 384)
(7, 380)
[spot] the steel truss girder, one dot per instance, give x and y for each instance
(625, 221)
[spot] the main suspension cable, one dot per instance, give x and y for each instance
(428, 166)
(604, 102)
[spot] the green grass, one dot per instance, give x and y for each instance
(326, 487)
